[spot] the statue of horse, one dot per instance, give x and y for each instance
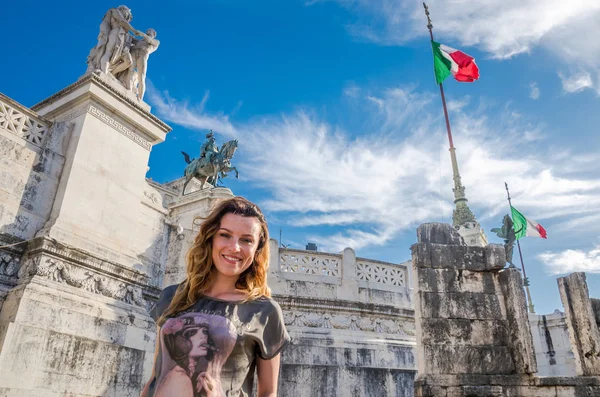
(208, 169)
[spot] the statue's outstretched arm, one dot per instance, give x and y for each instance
(123, 22)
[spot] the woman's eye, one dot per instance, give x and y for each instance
(247, 241)
(224, 235)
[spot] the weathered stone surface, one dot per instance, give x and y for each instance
(521, 341)
(317, 380)
(457, 257)
(438, 233)
(466, 305)
(596, 309)
(421, 255)
(464, 359)
(463, 331)
(506, 386)
(583, 331)
(451, 280)
(495, 256)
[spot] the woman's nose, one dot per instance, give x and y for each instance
(236, 245)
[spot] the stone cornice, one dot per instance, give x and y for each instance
(98, 80)
(331, 305)
(86, 260)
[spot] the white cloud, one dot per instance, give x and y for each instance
(179, 112)
(568, 261)
(501, 28)
(383, 182)
(534, 91)
(576, 82)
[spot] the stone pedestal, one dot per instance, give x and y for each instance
(98, 198)
(75, 321)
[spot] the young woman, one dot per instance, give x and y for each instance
(220, 325)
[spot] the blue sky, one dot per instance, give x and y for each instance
(340, 124)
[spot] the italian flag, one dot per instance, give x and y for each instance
(447, 60)
(525, 227)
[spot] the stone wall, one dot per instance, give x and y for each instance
(351, 323)
(32, 155)
(473, 334)
(77, 291)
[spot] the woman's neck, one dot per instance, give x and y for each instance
(224, 288)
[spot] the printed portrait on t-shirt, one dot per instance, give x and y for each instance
(195, 346)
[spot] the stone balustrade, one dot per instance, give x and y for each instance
(340, 276)
(18, 120)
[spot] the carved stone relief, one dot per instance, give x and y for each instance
(348, 322)
(58, 271)
(9, 264)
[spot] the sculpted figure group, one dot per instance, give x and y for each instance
(120, 53)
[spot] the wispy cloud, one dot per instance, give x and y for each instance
(194, 117)
(500, 28)
(568, 261)
(534, 91)
(576, 82)
(377, 185)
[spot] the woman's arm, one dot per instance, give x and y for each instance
(145, 390)
(268, 373)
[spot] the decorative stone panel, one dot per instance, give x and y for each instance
(17, 122)
(374, 272)
(301, 262)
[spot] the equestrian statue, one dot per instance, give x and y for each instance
(212, 164)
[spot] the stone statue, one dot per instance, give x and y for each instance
(140, 52)
(507, 233)
(214, 166)
(112, 39)
(120, 54)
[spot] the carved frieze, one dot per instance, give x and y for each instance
(60, 271)
(315, 319)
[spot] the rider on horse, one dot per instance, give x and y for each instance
(207, 149)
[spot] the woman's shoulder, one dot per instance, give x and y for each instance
(266, 303)
(164, 300)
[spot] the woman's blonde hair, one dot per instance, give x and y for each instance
(200, 270)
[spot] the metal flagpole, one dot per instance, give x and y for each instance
(525, 279)
(459, 190)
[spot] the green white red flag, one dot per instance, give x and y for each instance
(450, 61)
(525, 227)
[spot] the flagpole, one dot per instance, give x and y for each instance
(526, 280)
(459, 194)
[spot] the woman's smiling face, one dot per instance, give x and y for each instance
(235, 244)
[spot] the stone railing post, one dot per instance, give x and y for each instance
(273, 278)
(519, 330)
(583, 331)
(349, 287)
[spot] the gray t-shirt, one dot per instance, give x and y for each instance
(210, 349)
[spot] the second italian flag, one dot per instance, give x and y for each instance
(450, 61)
(525, 227)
